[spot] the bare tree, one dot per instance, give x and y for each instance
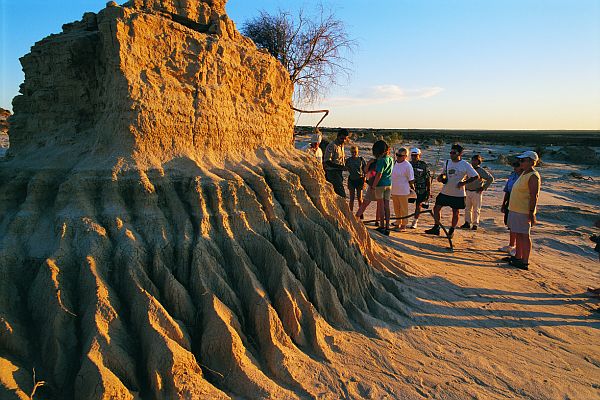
(313, 49)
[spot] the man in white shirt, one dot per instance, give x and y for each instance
(453, 193)
(403, 180)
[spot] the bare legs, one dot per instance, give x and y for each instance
(437, 215)
(523, 242)
(383, 213)
(513, 239)
(355, 192)
(455, 214)
(417, 210)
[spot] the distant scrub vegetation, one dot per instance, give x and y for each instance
(437, 136)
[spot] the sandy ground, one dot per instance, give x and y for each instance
(479, 328)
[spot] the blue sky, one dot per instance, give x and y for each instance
(459, 64)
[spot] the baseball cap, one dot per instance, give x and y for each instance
(529, 154)
(415, 150)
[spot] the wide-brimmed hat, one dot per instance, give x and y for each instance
(529, 154)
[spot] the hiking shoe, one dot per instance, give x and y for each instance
(414, 224)
(474, 228)
(466, 225)
(451, 233)
(433, 231)
(520, 264)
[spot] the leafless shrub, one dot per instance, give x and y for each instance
(313, 48)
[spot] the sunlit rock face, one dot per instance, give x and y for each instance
(152, 80)
(159, 235)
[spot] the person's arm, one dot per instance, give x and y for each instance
(329, 155)
(505, 202)
(376, 180)
(488, 178)
(427, 178)
(378, 174)
(411, 178)
(470, 179)
(534, 190)
(472, 176)
(440, 177)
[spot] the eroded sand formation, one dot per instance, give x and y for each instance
(159, 236)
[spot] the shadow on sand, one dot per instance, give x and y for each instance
(435, 301)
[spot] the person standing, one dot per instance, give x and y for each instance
(313, 146)
(383, 183)
(474, 191)
(357, 167)
(403, 180)
(422, 182)
(334, 161)
(512, 178)
(453, 192)
(522, 207)
(370, 196)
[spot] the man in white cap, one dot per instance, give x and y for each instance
(522, 207)
(313, 145)
(422, 182)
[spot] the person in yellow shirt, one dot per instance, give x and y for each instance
(522, 208)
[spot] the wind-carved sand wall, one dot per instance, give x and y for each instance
(159, 235)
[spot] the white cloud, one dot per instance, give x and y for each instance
(382, 94)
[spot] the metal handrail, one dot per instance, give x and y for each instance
(326, 113)
(422, 212)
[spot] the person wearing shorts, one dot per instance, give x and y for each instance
(510, 248)
(356, 178)
(453, 192)
(522, 207)
(382, 184)
(370, 195)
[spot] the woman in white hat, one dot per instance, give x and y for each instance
(522, 208)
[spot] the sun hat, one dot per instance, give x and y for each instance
(529, 154)
(415, 150)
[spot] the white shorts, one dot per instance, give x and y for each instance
(518, 222)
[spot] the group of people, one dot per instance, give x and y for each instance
(401, 181)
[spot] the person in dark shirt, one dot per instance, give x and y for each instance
(422, 183)
(334, 161)
(356, 179)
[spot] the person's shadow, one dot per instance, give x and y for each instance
(435, 301)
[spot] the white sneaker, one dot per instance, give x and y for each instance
(414, 224)
(513, 251)
(506, 249)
